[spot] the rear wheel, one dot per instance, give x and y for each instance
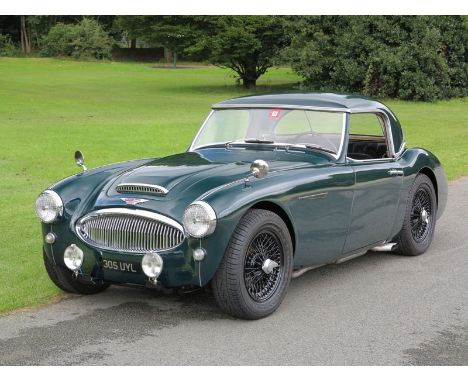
(254, 275)
(416, 234)
(65, 280)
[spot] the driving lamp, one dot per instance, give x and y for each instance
(73, 257)
(152, 265)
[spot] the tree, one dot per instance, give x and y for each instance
(246, 44)
(175, 33)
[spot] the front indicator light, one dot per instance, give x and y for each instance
(73, 257)
(50, 238)
(152, 265)
(199, 254)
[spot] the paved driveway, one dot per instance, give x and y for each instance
(377, 309)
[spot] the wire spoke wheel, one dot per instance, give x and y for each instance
(263, 266)
(254, 275)
(421, 215)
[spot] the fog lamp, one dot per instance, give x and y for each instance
(152, 265)
(73, 257)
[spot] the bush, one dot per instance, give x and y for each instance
(7, 48)
(407, 57)
(86, 40)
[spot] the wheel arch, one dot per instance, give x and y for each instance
(430, 174)
(278, 210)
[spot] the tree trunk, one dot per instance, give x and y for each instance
(133, 43)
(25, 38)
(249, 83)
(249, 77)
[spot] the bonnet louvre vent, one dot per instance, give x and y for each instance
(139, 188)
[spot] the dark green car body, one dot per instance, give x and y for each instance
(334, 208)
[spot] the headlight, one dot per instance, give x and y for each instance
(49, 206)
(199, 219)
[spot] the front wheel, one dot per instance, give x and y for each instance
(255, 272)
(416, 234)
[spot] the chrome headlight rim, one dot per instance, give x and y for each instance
(211, 222)
(58, 206)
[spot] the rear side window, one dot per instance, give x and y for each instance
(365, 124)
(367, 138)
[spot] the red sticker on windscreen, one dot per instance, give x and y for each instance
(275, 113)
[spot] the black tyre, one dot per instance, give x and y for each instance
(255, 272)
(64, 279)
(416, 234)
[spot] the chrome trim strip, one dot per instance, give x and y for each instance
(200, 130)
(280, 106)
(321, 195)
(157, 189)
(220, 106)
(400, 151)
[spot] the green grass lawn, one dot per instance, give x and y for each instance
(118, 111)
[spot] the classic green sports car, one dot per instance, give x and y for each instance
(271, 186)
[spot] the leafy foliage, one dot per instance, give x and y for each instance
(407, 57)
(7, 48)
(85, 40)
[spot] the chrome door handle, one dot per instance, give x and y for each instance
(395, 172)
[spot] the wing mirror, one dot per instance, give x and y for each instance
(79, 160)
(259, 168)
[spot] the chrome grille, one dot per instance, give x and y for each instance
(124, 230)
(140, 188)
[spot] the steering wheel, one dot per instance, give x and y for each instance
(319, 139)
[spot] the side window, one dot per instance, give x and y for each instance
(365, 124)
(367, 139)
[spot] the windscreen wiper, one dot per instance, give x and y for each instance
(257, 141)
(318, 147)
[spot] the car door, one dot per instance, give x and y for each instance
(320, 204)
(378, 182)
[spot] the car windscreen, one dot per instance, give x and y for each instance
(270, 125)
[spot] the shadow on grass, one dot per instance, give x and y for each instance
(264, 88)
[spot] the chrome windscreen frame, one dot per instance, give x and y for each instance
(268, 106)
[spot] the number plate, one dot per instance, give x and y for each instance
(121, 266)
